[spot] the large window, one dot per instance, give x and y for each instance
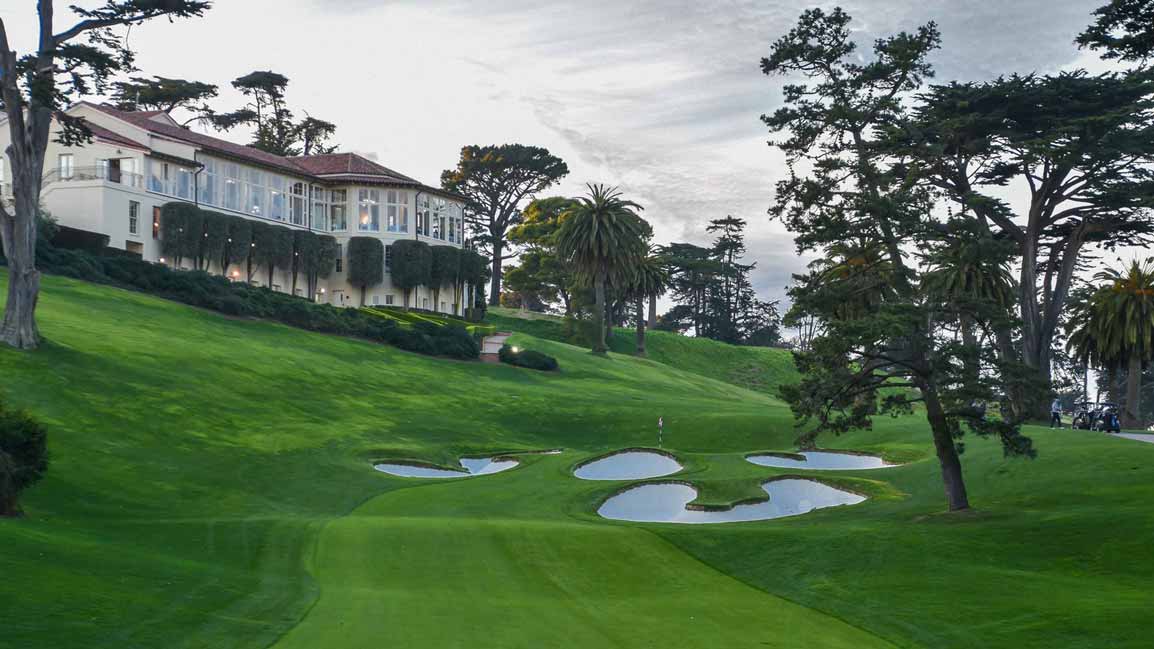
(298, 202)
(207, 191)
(66, 162)
(182, 186)
(340, 220)
(133, 217)
(277, 200)
(233, 187)
(423, 215)
(369, 217)
(397, 211)
(255, 192)
(438, 224)
(319, 220)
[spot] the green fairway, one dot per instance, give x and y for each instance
(212, 486)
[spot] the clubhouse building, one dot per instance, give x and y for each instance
(137, 162)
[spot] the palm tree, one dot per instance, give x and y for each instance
(1117, 326)
(602, 236)
(647, 279)
(969, 276)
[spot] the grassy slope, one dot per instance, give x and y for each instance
(196, 478)
(760, 369)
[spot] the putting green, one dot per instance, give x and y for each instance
(410, 569)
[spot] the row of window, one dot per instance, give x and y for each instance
(245, 189)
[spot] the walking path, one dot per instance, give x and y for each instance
(491, 345)
(1149, 439)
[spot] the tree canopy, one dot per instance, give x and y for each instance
(495, 181)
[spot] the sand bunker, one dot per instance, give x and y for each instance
(666, 503)
(470, 467)
(820, 460)
(629, 465)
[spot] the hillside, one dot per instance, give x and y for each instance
(760, 369)
(212, 486)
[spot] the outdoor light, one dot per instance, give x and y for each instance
(322, 291)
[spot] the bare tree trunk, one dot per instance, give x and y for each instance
(495, 288)
(599, 312)
(947, 452)
(19, 328)
(641, 327)
(1132, 416)
(652, 311)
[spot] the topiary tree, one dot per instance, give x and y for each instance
(192, 240)
(273, 249)
(366, 263)
(473, 268)
(174, 228)
(306, 247)
(238, 245)
(215, 237)
(261, 239)
(445, 264)
(412, 266)
(325, 264)
(23, 458)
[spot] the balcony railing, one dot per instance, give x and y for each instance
(107, 174)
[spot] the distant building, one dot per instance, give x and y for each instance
(139, 161)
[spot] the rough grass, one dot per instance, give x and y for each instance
(211, 487)
(760, 369)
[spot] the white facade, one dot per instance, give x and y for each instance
(138, 162)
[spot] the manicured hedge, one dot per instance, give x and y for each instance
(366, 263)
(527, 358)
(412, 266)
(217, 293)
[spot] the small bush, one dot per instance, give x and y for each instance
(533, 360)
(23, 457)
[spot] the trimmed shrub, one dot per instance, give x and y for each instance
(212, 248)
(238, 245)
(174, 224)
(366, 263)
(527, 358)
(23, 457)
(192, 239)
(412, 266)
(73, 239)
(444, 267)
(306, 248)
(217, 293)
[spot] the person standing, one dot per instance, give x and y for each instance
(1056, 413)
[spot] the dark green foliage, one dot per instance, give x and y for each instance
(74, 239)
(240, 299)
(23, 457)
(326, 256)
(495, 180)
(366, 263)
(238, 246)
(1122, 30)
(160, 93)
(192, 239)
(273, 249)
(533, 360)
(444, 268)
(306, 251)
(275, 128)
(175, 219)
(412, 266)
(444, 265)
(216, 232)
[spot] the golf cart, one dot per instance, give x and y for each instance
(1097, 416)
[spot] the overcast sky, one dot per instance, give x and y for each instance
(660, 97)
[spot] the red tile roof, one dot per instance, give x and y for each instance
(350, 164)
(348, 167)
(101, 133)
(144, 120)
